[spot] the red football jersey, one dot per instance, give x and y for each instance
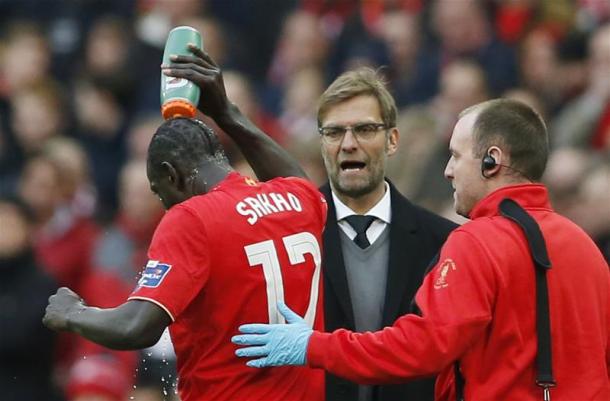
(225, 258)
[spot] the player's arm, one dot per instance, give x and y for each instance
(267, 158)
(132, 325)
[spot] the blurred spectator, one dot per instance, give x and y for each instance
(62, 239)
(122, 248)
(25, 58)
(239, 91)
(77, 190)
(463, 30)
(573, 68)
(160, 16)
(307, 151)
(139, 135)
(302, 44)
(514, 17)
(298, 116)
(418, 142)
(332, 14)
(107, 48)
(463, 83)
(585, 122)
(37, 115)
(529, 98)
(400, 32)
(26, 346)
(580, 185)
(101, 122)
(359, 44)
(418, 166)
(213, 37)
(565, 171)
(595, 206)
(540, 69)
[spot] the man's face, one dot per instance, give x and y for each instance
(166, 190)
(463, 169)
(356, 167)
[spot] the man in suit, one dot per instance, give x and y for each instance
(377, 244)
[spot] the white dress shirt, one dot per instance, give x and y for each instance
(382, 211)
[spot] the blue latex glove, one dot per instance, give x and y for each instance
(277, 344)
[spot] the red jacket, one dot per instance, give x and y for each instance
(478, 306)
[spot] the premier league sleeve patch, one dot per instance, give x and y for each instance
(154, 273)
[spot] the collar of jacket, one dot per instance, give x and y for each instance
(529, 196)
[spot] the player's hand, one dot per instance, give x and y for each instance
(61, 305)
(276, 344)
(203, 72)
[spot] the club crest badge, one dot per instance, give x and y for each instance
(444, 269)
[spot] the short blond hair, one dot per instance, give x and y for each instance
(362, 81)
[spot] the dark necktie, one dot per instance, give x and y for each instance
(360, 224)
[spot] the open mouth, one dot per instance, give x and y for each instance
(352, 166)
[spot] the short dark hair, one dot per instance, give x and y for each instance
(185, 142)
(363, 81)
(517, 127)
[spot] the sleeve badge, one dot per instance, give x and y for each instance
(153, 274)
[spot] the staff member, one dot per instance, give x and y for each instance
(478, 304)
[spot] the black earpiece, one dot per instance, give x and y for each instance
(488, 162)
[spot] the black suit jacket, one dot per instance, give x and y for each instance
(416, 235)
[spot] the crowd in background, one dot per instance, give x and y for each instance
(79, 102)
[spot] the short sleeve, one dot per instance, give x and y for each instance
(179, 262)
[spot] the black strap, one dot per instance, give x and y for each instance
(459, 382)
(537, 246)
(544, 361)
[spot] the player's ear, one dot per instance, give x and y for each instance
(169, 172)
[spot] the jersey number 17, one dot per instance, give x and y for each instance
(297, 246)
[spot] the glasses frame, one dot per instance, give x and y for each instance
(354, 128)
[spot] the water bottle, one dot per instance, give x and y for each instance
(179, 96)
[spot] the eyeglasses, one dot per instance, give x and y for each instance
(362, 131)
